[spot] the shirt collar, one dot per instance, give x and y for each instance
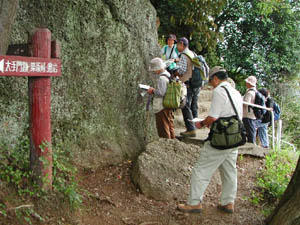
(223, 83)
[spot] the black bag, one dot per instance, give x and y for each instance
(267, 117)
(227, 132)
(259, 100)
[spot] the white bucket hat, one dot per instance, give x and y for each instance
(251, 80)
(157, 64)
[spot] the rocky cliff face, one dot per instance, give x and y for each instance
(97, 112)
(7, 15)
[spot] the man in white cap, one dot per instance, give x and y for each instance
(210, 158)
(249, 118)
(164, 117)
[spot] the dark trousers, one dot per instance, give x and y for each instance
(250, 126)
(165, 123)
(190, 110)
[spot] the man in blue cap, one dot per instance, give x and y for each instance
(185, 68)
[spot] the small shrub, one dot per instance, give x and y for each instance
(274, 179)
(15, 171)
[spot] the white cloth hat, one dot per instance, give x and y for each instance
(157, 64)
(251, 80)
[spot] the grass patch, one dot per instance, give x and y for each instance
(273, 180)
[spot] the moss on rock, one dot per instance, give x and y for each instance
(106, 46)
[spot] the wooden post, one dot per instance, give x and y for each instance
(40, 114)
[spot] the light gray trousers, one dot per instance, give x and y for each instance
(209, 161)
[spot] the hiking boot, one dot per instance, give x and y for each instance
(189, 208)
(191, 133)
(229, 208)
(182, 132)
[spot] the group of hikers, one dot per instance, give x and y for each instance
(182, 55)
(228, 111)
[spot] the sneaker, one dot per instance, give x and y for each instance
(229, 208)
(191, 133)
(189, 208)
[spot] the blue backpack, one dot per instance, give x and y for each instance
(277, 111)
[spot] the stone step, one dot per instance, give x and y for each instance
(201, 135)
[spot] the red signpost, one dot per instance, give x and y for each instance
(39, 69)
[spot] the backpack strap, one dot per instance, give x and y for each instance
(176, 50)
(164, 75)
(232, 103)
(189, 54)
(249, 106)
(171, 52)
(192, 56)
(165, 52)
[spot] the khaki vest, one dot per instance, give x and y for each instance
(185, 77)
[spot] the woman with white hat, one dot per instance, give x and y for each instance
(164, 117)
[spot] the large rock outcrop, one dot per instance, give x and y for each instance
(8, 9)
(97, 112)
(163, 170)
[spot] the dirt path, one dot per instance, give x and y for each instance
(113, 199)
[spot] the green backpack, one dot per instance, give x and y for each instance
(227, 132)
(175, 96)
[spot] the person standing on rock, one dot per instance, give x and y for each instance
(185, 67)
(210, 158)
(164, 117)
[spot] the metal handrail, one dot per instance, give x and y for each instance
(273, 128)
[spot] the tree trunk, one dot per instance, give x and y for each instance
(8, 11)
(287, 212)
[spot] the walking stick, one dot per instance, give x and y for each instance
(147, 116)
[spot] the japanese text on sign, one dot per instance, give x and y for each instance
(25, 67)
(29, 66)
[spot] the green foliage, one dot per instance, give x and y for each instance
(194, 20)
(64, 180)
(272, 181)
(290, 115)
(15, 171)
(261, 38)
(256, 198)
(3, 211)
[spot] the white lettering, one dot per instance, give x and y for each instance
(52, 68)
(7, 68)
(27, 67)
(33, 67)
(2, 65)
(23, 66)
